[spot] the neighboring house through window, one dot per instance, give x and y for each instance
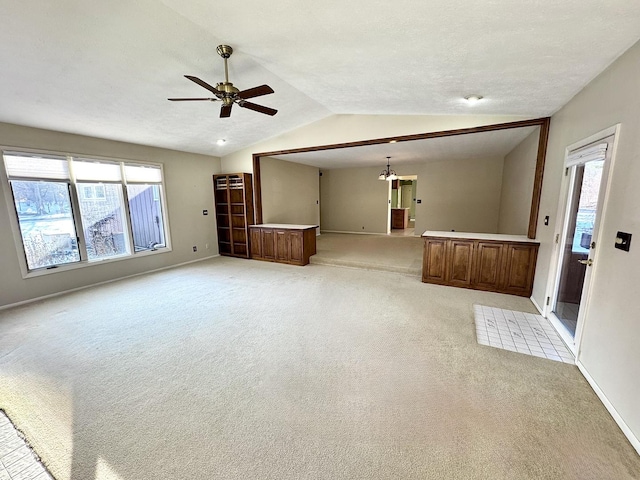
(72, 210)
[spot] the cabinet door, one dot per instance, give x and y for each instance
(268, 243)
(519, 268)
(282, 250)
(256, 243)
(296, 253)
(433, 260)
(487, 271)
(459, 263)
(396, 219)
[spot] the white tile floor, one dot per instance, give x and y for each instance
(520, 332)
(17, 460)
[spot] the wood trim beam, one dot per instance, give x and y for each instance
(257, 190)
(537, 180)
(543, 123)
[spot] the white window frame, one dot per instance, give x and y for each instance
(74, 194)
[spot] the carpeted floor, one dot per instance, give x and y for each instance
(402, 254)
(238, 369)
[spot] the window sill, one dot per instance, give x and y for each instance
(90, 263)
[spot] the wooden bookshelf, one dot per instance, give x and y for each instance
(233, 199)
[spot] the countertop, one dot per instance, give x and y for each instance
(286, 226)
(480, 236)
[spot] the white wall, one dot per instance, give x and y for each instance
(461, 195)
(353, 200)
(610, 350)
(290, 192)
(188, 188)
(518, 174)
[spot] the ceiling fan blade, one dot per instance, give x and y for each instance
(202, 83)
(255, 92)
(258, 108)
(225, 111)
(191, 99)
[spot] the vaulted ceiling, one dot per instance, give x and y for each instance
(106, 68)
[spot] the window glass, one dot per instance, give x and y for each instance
(48, 189)
(146, 216)
(46, 222)
(103, 220)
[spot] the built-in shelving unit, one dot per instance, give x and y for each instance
(233, 198)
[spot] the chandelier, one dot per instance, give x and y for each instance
(388, 174)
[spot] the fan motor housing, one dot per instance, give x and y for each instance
(224, 51)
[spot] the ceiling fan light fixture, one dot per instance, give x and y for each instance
(473, 99)
(228, 94)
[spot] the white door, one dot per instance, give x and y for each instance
(586, 172)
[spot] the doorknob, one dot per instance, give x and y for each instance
(588, 263)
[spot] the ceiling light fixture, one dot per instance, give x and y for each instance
(388, 174)
(221, 142)
(473, 99)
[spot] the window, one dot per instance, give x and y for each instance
(80, 210)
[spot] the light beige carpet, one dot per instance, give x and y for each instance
(402, 254)
(238, 369)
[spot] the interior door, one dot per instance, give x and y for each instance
(586, 170)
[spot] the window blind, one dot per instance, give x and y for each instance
(41, 167)
(594, 152)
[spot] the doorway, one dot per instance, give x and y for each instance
(586, 174)
(402, 206)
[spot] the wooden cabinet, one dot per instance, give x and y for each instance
(487, 266)
(399, 218)
(519, 268)
(433, 260)
(460, 262)
(233, 198)
(503, 266)
(292, 244)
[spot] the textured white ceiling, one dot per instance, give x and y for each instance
(473, 145)
(105, 69)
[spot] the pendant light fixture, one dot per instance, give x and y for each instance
(388, 174)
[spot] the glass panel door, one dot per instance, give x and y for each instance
(577, 240)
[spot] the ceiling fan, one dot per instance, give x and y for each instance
(227, 93)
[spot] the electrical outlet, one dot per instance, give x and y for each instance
(195, 249)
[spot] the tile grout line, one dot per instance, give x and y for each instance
(18, 461)
(519, 332)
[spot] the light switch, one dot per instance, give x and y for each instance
(623, 241)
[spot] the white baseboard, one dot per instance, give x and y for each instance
(535, 304)
(635, 442)
(63, 292)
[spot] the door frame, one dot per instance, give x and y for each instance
(574, 343)
(412, 176)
